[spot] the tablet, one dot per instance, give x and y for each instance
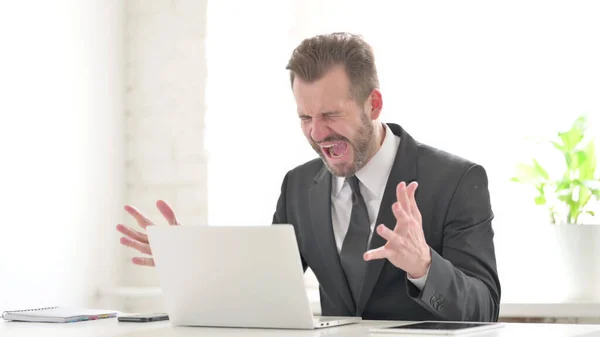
(143, 317)
(438, 328)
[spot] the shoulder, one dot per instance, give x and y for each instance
(429, 160)
(304, 173)
(430, 157)
(448, 171)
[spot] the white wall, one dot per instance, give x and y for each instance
(61, 134)
(480, 71)
(252, 134)
(472, 77)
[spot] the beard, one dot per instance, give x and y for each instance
(362, 147)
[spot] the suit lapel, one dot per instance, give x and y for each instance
(320, 211)
(403, 169)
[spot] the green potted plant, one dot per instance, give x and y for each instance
(569, 199)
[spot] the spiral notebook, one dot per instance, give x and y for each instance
(57, 315)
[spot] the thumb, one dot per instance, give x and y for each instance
(167, 212)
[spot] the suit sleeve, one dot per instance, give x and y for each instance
(463, 283)
(280, 215)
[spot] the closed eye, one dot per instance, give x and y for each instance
(330, 114)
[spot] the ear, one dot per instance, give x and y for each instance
(374, 104)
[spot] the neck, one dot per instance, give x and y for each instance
(379, 137)
(379, 133)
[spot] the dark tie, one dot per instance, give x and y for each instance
(355, 242)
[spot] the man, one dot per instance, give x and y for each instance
(393, 229)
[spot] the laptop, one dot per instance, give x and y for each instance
(234, 276)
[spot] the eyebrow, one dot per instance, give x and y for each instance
(325, 114)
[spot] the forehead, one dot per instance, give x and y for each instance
(330, 92)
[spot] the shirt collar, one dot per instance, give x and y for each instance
(375, 173)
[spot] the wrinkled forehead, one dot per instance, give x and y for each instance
(329, 93)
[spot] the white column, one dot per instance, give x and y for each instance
(61, 133)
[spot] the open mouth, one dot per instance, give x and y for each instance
(335, 149)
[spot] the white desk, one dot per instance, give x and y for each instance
(113, 328)
(565, 309)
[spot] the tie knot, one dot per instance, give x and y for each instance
(353, 182)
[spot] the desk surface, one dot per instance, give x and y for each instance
(113, 328)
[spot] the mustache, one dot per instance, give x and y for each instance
(332, 138)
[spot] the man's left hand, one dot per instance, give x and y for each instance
(406, 247)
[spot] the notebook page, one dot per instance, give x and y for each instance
(58, 314)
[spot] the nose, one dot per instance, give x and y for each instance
(319, 130)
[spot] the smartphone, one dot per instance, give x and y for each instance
(143, 317)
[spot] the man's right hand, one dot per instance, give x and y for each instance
(138, 240)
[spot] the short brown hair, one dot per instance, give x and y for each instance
(317, 55)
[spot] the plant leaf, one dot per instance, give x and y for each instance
(584, 197)
(591, 213)
(569, 160)
(526, 174)
(540, 200)
(540, 170)
(565, 197)
(572, 137)
(581, 163)
(563, 187)
(558, 146)
(590, 161)
(573, 211)
(594, 186)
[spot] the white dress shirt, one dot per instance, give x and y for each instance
(372, 180)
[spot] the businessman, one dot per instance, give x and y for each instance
(393, 229)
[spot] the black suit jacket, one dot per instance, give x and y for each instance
(454, 201)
